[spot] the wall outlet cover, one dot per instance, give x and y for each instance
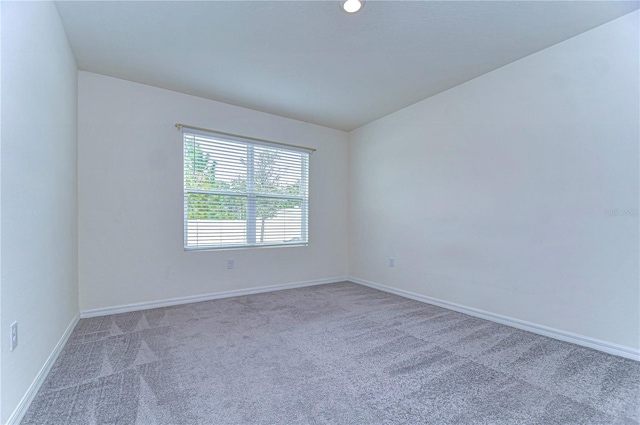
(14, 336)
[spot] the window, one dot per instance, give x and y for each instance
(241, 192)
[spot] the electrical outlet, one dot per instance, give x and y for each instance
(392, 262)
(14, 336)
(229, 264)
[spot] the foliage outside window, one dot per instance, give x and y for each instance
(241, 193)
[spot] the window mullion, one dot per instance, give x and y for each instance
(304, 207)
(251, 197)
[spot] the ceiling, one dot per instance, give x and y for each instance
(309, 60)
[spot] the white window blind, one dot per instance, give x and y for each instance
(240, 192)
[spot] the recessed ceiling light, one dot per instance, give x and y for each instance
(352, 6)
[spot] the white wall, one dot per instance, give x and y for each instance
(39, 191)
(0, 210)
(130, 198)
(494, 194)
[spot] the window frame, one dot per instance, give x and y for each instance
(251, 195)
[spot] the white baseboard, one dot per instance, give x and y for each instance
(28, 397)
(205, 297)
(607, 347)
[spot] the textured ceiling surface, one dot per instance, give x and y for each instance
(309, 60)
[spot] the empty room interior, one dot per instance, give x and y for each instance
(320, 212)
